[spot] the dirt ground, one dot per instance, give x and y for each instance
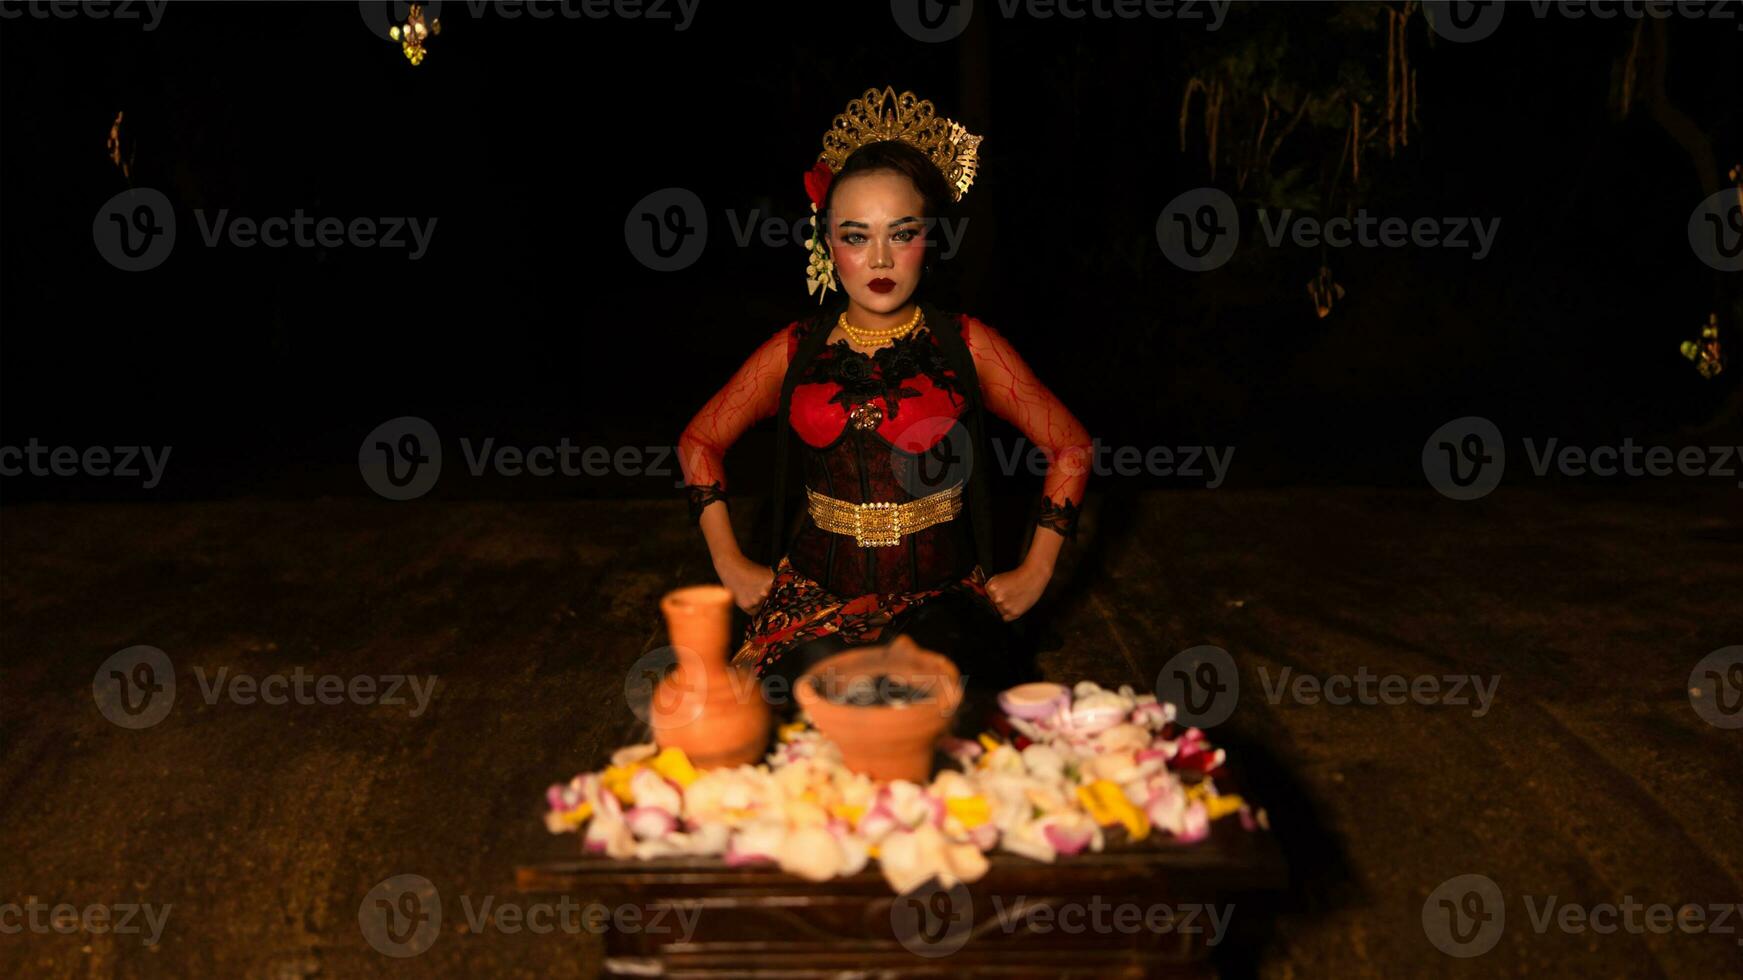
(253, 831)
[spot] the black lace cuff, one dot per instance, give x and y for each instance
(1061, 518)
(703, 494)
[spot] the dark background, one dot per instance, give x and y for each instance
(530, 321)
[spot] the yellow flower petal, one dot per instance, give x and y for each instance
(848, 811)
(971, 810)
(673, 764)
(988, 742)
(1092, 805)
(616, 779)
(1221, 806)
(1106, 804)
(577, 816)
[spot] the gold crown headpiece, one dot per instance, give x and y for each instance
(874, 117)
(884, 115)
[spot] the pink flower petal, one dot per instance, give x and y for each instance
(649, 822)
(1066, 841)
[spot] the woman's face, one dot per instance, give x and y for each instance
(877, 238)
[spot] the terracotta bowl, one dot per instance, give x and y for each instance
(884, 741)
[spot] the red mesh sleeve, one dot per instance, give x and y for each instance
(752, 394)
(1013, 392)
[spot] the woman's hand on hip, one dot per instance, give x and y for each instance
(748, 581)
(1015, 592)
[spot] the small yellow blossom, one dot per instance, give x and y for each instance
(971, 810)
(1106, 804)
(673, 764)
(616, 779)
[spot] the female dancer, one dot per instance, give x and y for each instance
(886, 395)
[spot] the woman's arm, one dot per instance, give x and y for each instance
(752, 394)
(1011, 391)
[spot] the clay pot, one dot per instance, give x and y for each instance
(884, 741)
(714, 712)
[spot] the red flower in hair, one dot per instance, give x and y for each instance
(817, 182)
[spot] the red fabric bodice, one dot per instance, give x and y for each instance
(918, 448)
(916, 409)
(909, 453)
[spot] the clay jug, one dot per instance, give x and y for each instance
(714, 712)
(883, 740)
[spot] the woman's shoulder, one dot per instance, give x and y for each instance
(977, 333)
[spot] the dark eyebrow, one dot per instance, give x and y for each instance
(861, 224)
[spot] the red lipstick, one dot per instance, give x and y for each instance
(880, 285)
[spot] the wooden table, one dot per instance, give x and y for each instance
(1134, 910)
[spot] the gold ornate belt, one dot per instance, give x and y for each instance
(882, 524)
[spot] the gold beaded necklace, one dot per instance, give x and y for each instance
(866, 338)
